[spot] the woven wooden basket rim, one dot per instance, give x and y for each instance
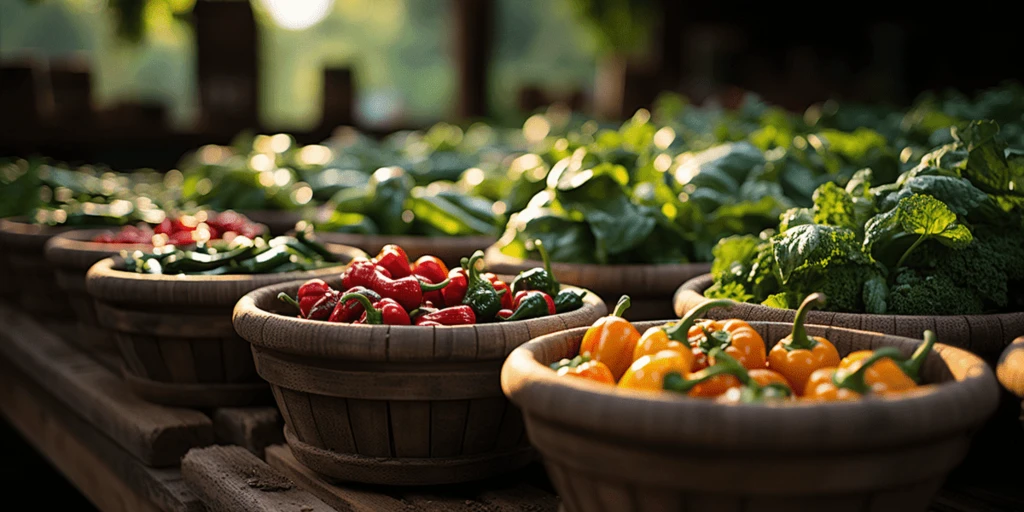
(666, 418)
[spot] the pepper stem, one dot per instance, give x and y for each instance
(912, 366)
(427, 287)
(287, 299)
(724, 365)
(798, 339)
(373, 315)
(855, 381)
(543, 255)
(472, 273)
(621, 306)
(682, 328)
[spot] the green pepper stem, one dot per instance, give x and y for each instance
(287, 299)
(680, 331)
(427, 287)
(798, 339)
(543, 255)
(621, 306)
(912, 366)
(373, 315)
(473, 273)
(724, 365)
(855, 381)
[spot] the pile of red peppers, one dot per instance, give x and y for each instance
(391, 290)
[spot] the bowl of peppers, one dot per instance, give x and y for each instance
(389, 373)
(169, 310)
(73, 252)
(731, 414)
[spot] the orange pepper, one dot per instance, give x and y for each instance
(593, 370)
(648, 373)
(674, 336)
(889, 375)
(821, 386)
(735, 337)
(612, 339)
(798, 355)
(727, 376)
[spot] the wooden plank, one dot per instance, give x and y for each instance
(252, 428)
(106, 474)
(230, 479)
(348, 499)
(157, 436)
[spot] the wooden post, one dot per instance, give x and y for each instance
(473, 22)
(339, 98)
(227, 65)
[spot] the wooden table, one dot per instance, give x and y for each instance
(127, 455)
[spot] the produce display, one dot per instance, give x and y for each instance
(239, 255)
(726, 360)
(185, 230)
(391, 290)
(947, 238)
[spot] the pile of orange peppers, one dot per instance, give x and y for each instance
(726, 360)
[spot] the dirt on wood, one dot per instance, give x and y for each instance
(267, 483)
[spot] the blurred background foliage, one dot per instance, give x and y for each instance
(397, 48)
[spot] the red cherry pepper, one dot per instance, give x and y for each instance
(407, 291)
(309, 293)
(499, 285)
(433, 271)
(456, 289)
(384, 311)
(505, 313)
(324, 307)
(526, 293)
(455, 315)
(394, 259)
(349, 311)
(361, 272)
(164, 228)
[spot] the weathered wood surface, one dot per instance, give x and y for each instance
(252, 428)
(231, 479)
(113, 479)
(903, 447)
(156, 435)
(509, 493)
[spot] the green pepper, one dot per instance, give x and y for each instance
(264, 262)
(533, 305)
(568, 300)
(303, 236)
(195, 261)
(538, 278)
(480, 293)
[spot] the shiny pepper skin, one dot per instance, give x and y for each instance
(507, 300)
(350, 310)
(648, 373)
(432, 270)
(736, 337)
(362, 272)
(457, 285)
(883, 377)
(309, 293)
(394, 259)
(798, 355)
(820, 386)
(612, 340)
(592, 370)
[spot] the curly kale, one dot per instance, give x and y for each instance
(988, 267)
(916, 294)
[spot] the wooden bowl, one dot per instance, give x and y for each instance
(71, 254)
(1010, 370)
(650, 287)
(624, 450)
(175, 335)
(985, 335)
(28, 275)
(396, 405)
(451, 249)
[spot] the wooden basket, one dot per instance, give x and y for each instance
(71, 254)
(451, 249)
(397, 405)
(985, 335)
(175, 335)
(28, 275)
(624, 450)
(650, 287)
(1010, 370)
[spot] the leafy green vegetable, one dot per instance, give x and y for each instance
(917, 215)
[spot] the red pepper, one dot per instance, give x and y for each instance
(164, 228)
(407, 291)
(505, 313)
(349, 311)
(309, 293)
(456, 289)
(455, 315)
(526, 293)
(394, 259)
(433, 271)
(324, 307)
(361, 272)
(499, 285)
(384, 311)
